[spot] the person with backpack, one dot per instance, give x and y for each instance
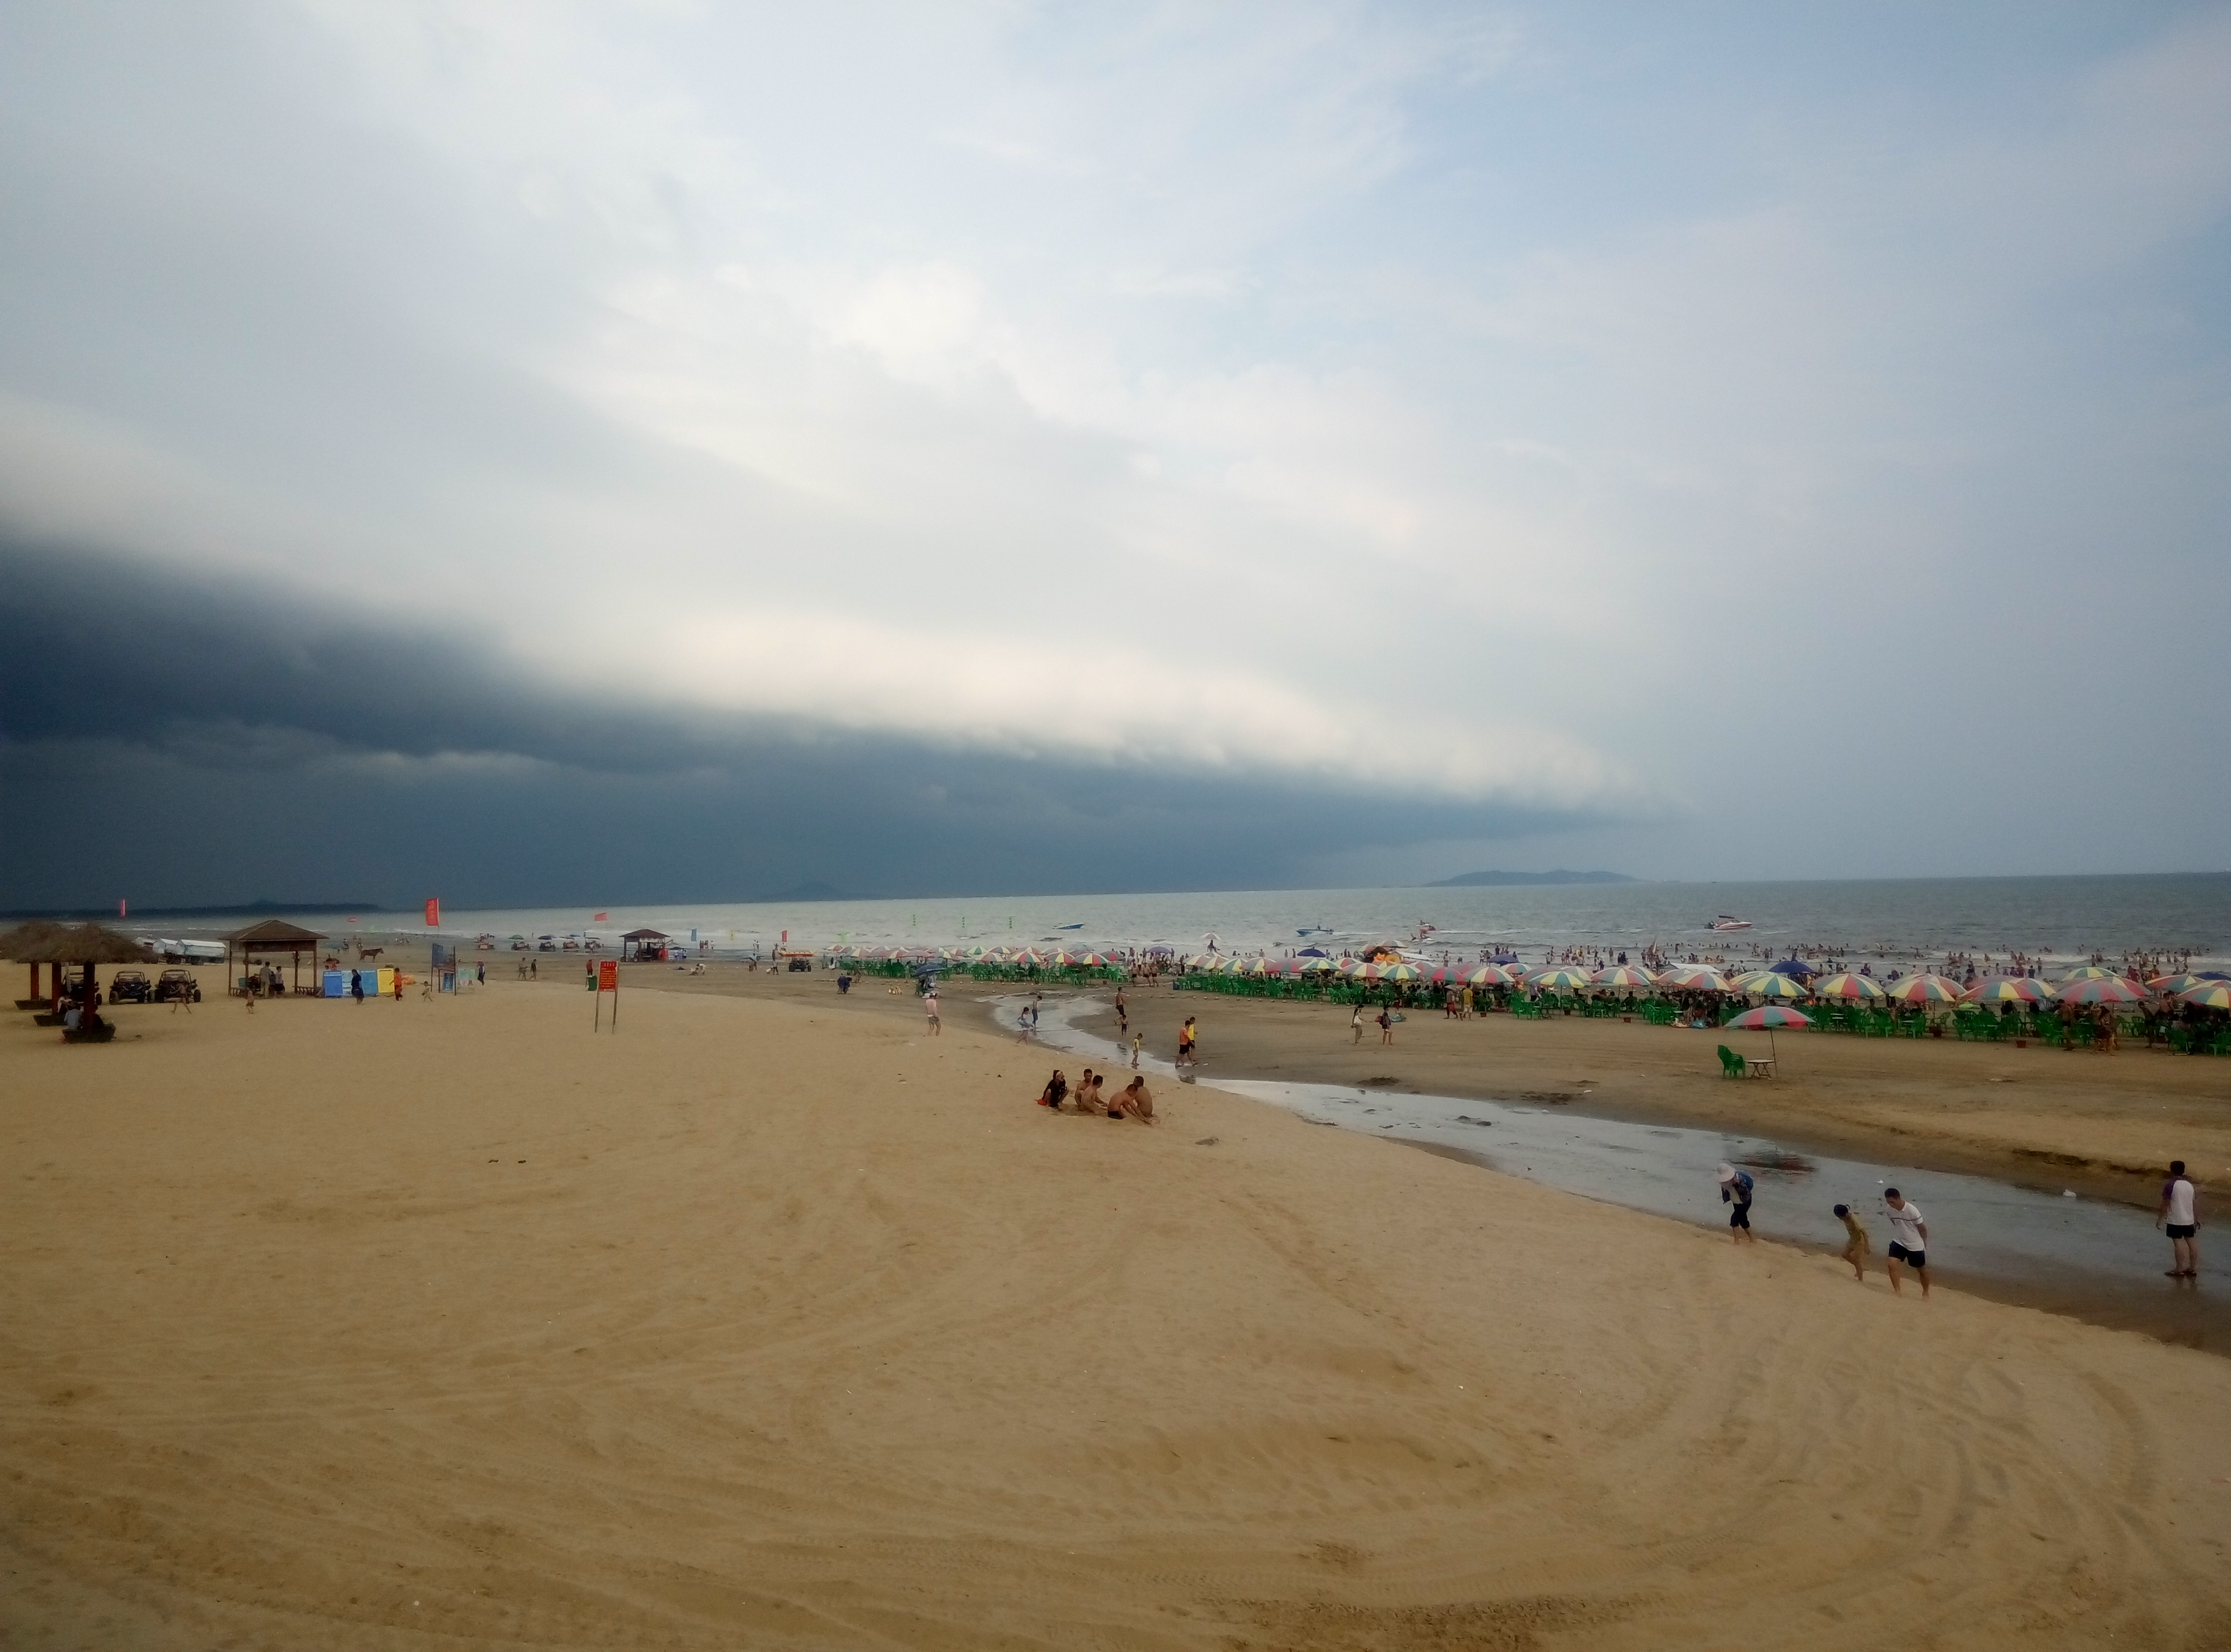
(1735, 1189)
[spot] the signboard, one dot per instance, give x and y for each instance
(608, 981)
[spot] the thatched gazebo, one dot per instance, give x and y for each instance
(83, 944)
(270, 938)
(21, 945)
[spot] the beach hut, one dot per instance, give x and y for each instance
(274, 938)
(84, 945)
(643, 945)
(21, 944)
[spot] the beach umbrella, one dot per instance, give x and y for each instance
(1926, 990)
(1764, 984)
(1794, 967)
(1621, 975)
(2088, 972)
(2101, 989)
(1847, 985)
(1559, 978)
(1398, 970)
(2008, 990)
(1489, 975)
(2209, 995)
(1765, 1019)
(1316, 964)
(1694, 978)
(2170, 986)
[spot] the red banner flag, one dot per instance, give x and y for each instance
(120, 908)
(601, 917)
(434, 913)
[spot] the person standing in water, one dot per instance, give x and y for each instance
(1188, 1035)
(1138, 1042)
(2179, 1213)
(1911, 1244)
(1736, 1188)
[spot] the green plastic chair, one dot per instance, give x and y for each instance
(1732, 1065)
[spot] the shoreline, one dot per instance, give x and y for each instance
(1645, 1075)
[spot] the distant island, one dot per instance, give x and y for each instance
(1476, 879)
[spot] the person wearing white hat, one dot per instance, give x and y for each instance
(1736, 1191)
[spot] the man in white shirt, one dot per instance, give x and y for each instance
(1908, 1242)
(2178, 1214)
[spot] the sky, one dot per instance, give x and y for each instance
(538, 453)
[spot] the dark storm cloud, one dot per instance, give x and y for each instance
(184, 742)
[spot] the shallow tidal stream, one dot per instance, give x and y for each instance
(2092, 1258)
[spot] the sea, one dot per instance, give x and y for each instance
(2168, 917)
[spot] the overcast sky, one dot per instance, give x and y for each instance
(559, 452)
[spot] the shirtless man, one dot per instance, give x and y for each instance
(1136, 1102)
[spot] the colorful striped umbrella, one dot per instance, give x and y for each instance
(1847, 985)
(2172, 985)
(1489, 975)
(2088, 972)
(1315, 966)
(1561, 978)
(2209, 995)
(2008, 990)
(1765, 1019)
(2101, 989)
(1694, 978)
(1398, 971)
(1926, 990)
(1764, 984)
(1621, 975)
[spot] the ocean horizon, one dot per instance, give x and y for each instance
(2063, 916)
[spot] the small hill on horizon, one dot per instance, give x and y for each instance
(1474, 879)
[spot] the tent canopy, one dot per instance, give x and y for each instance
(646, 935)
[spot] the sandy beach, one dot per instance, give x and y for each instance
(776, 1323)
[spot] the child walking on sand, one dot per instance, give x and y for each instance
(1856, 1247)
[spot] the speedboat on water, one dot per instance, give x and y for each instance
(1314, 929)
(1724, 923)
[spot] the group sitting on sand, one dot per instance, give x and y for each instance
(1134, 1100)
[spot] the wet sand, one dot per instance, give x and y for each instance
(773, 1322)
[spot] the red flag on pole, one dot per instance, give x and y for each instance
(121, 907)
(434, 913)
(601, 917)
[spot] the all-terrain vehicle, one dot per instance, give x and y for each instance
(178, 986)
(131, 987)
